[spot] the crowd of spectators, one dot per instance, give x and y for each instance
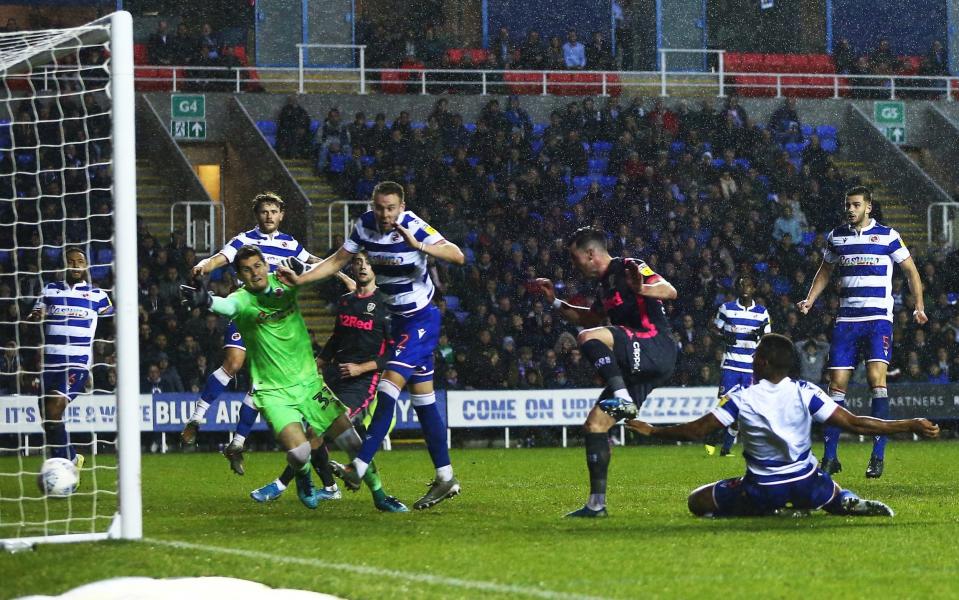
(884, 61)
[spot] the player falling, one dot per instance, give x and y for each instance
(741, 322)
(69, 310)
(287, 389)
(268, 209)
(633, 355)
(399, 244)
(352, 360)
(775, 419)
(864, 251)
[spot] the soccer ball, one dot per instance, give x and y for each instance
(58, 478)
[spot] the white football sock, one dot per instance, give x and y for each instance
(238, 439)
(360, 467)
(199, 410)
(596, 501)
(444, 473)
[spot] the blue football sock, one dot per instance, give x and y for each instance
(380, 423)
(831, 433)
(834, 506)
(729, 438)
(58, 440)
(880, 410)
(215, 385)
(434, 430)
(247, 418)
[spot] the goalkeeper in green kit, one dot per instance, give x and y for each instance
(287, 389)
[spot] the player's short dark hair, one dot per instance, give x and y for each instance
(267, 198)
(389, 188)
(248, 251)
(71, 249)
(743, 278)
(860, 190)
(584, 237)
(780, 354)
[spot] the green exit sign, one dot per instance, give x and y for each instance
(188, 106)
(889, 114)
(188, 130)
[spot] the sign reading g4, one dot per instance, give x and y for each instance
(188, 106)
(889, 114)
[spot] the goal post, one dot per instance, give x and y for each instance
(68, 179)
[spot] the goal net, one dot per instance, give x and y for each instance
(67, 183)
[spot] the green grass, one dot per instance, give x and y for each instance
(506, 529)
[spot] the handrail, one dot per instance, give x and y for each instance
(301, 58)
(190, 230)
(346, 217)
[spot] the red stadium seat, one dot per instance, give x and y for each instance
(455, 54)
(141, 54)
(394, 82)
(524, 83)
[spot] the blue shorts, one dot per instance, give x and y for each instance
(65, 382)
(742, 497)
(874, 338)
(414, 339)
(232, 337)
(731, 379)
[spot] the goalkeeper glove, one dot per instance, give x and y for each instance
(294, 264)
(194, 297)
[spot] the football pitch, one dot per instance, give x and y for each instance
(505, 536)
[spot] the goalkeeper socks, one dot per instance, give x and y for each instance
(285, 477)
(248, 415)
(597, 461)
(386, 395)
(320, 458)
(602, 358)
(880, 410)
(434, 430)
(831, 433)
(216, 384)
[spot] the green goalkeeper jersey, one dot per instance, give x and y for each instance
(277, 342)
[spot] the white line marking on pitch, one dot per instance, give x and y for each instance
(470, 584)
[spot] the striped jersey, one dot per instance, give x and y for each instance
(775, 425)
(746, 325)
(865, 262)
(401, 270)
(70, 322)
(275, 246)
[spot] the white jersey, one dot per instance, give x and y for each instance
(865, 260)
(775, 423)
(275, 246)
(70, 322)
(745, 323)
(401, 270)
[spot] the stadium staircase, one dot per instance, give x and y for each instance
(153, 200)
(318, 318)
(895, 211)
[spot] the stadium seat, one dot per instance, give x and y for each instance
(314, 125)
(524, 83)
(830, 145)
(808, 237)
(718, 163)
(602, 148)
(393, 81)
(796, 162)
(266, 127)
(952, 297)
(539, 129)
(452, 302)
(575, 198)
(597, 166)
(536, 146)
(473, 161)
(271, 140)
(104, 256)
(418, 125)
(807, 130)
(761, 267)
(582, 183)
(743, 163)
(826, 131)
(794, 149)
(470, 127)
(608, 181)
(676, 148)
(338, 162)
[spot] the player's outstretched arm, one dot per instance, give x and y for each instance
(692, 431)
(577, 315)
(209, 264)
(915, 288)
(819, 283)
(321, 271)
(846, 420)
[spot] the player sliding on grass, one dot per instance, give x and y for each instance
(634, 355)
(398, 244)
(287, 389)
(351, 360)
(775, 418)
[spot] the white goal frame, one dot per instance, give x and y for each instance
(127, 523)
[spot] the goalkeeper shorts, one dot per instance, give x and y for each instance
(310, 401)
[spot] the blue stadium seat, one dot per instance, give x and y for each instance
(796, 162)
(266, 127)
(763, 179)
(808, 237)
(99, 273)
(608, 181)
(271, 140)
(807, 130)
(743, 163)
(314, 125)
(794, 149)
(536, 146)
(718, 163)
(418, 125)
(952, 297)
(677, 147)
(761, 267)
(469, 255)
(575, 198)
(367, 160)
(338, 162)
(830, 145)
(461, 315)
(104, 256)
(539, 129)
(597, 166)
(707, 147)
(602, 148)
(586, 147)
(582, 183)
(473, 161)
(536, 217)
(826, 131)
(470, 127)
(452, 302)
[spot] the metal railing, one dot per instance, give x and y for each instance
(210, 234)
(359, 62)
(347, 221)
(942, 228)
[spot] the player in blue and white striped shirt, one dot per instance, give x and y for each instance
(775, 417)
(268, 208)
(741, 322)
(69, 310)
(398, 244)
(865, 252)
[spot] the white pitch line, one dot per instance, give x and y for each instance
(427, 578)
